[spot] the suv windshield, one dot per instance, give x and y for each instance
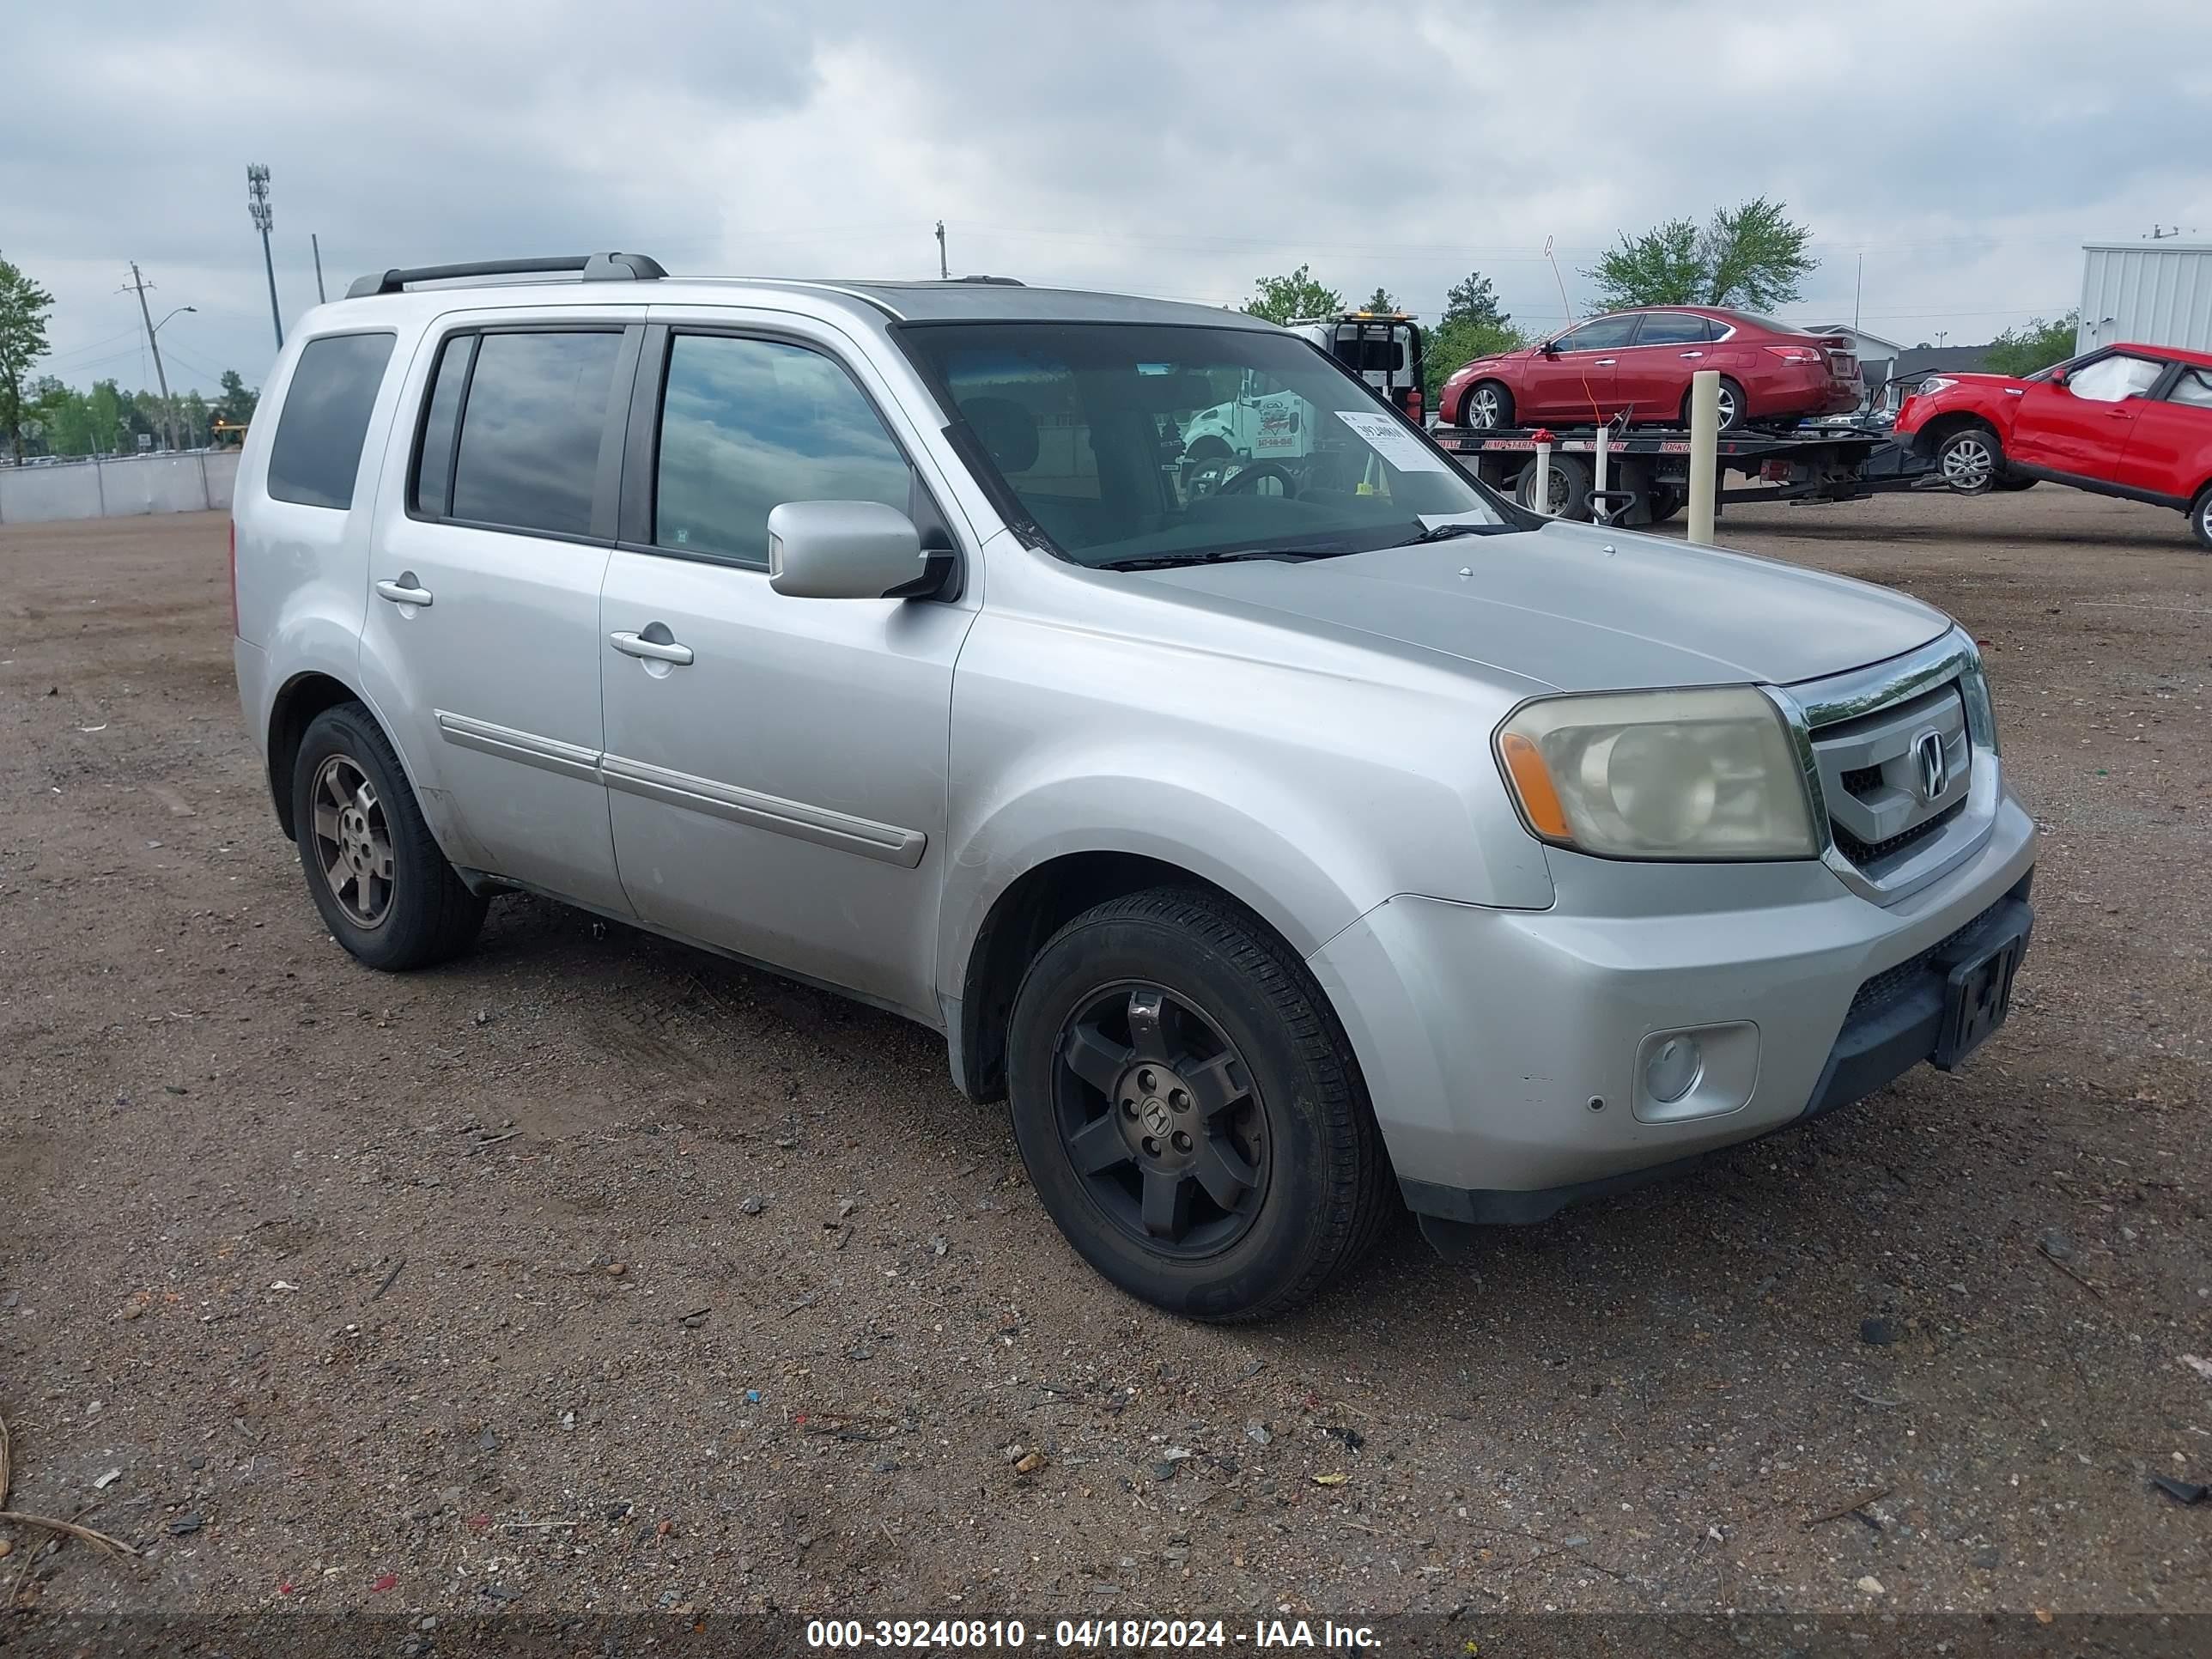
(1129, 442)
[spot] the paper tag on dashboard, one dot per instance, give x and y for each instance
(1392, 441)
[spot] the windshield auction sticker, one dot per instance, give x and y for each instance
(1392, 441)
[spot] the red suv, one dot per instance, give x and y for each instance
(1641, 361)
(2133, 420)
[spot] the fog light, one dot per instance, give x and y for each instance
(1674, 1069)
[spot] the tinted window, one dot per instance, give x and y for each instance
(529, 453)
(2195, 386)
(746, 425)
(1372, 354)
(1596, 335)
(1673, 328)
(433, 473)
(325, 417)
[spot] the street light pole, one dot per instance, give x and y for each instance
(138, 285)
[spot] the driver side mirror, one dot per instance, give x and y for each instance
(1550, 348)
(849, 550)
(2058, 377)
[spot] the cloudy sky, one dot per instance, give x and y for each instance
(1960, 154)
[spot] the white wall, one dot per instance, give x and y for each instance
(2148, 293)
(118, 489)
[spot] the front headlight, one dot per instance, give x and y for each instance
(1706, 773)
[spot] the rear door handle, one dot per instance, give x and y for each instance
(405, 591)
(1605, 363)
(1694, 354)
(636, 645)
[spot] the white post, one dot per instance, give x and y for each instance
(1599, 511)
(1705, 441)
(1539, 480)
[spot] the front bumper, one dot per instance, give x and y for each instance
(1505, 1049)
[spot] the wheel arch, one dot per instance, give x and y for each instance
(1934, 431)
(297, 703)
(1036, 903)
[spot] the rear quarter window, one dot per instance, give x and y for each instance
(320, 432)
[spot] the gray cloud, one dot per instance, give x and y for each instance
(1964, 152)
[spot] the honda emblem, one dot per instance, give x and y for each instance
(1931, 767)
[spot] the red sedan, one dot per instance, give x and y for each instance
(1641, 361)
(2131, 420)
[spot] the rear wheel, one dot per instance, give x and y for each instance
(1186, 1109)
(1732, 405)
(1486, 404)
(1664, 501)
(2200, 517)
(1970, 461)
(375, 870)
(2012, 482)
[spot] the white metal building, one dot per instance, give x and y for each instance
(2151, 293)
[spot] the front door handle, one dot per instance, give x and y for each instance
(2121, 413)
(1605, 363)
(636, 645)
(405, 591)
(1694, 354)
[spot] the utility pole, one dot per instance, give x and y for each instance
(264, 217)
(944, 271)
(1858, 288)
(316, 243)
(139, 285)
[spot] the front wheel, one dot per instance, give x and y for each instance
(1970, 461)
(1188, 1110)
(2200, 518)
(375, 870)
(1487, 404)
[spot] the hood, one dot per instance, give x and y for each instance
(1573, 607)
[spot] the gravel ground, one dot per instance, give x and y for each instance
(591, 1272)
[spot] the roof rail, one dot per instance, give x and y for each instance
(594, 267)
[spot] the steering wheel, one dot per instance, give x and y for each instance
(1259, 469)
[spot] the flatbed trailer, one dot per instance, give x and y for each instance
(1648, 468)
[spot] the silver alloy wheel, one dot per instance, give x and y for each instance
(2204, 518)
(1726, 408)
(1483, 403)
(1968, 464)
(353, 841)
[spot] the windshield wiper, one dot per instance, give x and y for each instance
(1444, 532)
(1225, 556)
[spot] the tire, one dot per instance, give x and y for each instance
(384, 890)
(1970, 461)
(1663, 502)
(1486, 404)
(1208, 449)
(1166, 1047)
(2200, 518)
(2011, 483)
(1569, 487)
(1732, 417)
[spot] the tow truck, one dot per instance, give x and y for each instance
(1648, 467)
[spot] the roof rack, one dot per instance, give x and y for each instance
(595, 268)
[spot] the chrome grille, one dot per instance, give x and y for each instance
(1894, 776)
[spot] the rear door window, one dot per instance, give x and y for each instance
(2194, 388)
(317, 452)
(1674, 328)
(747, 425)
(532, 418)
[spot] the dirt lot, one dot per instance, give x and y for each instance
(446, 1293)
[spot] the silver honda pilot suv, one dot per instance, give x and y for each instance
(1277, 831)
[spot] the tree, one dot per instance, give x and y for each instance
(1380, 301)
(1753, 255)
(236, 403)
(1472, 300)
(1285, 298)
(1458, 342)
(23, 308)
(2039, 345)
